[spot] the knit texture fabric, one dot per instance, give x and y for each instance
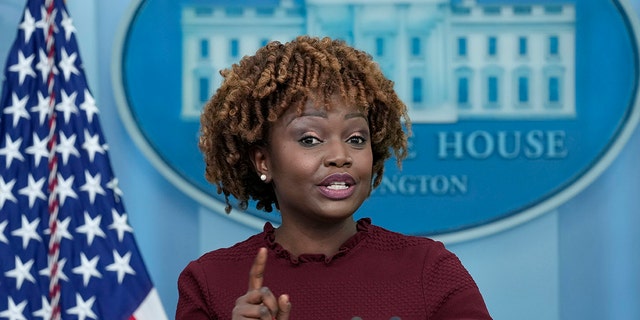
(377, 274)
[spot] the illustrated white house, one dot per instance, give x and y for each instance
(450, 60)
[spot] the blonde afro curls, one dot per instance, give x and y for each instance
(260, 88)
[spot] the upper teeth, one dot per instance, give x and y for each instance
(337, 185)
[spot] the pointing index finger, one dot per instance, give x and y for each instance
(256, 274)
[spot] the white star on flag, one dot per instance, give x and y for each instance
(3, 225)
(113, 185)
(92, 186)
(91, 228)
(45, 311)
(44, 66)
(67, 147)
(89, 105)
(38, 149)
(67, 25)
(121, 265)
(67, 64)
(33, 190)
(27, 231)
(62, 229)
(83, 309)
(92, 144)
(65, 189)
(23, 67)
(42, 108)
(14, 311)
(11, 150)
(47, 271)
(87, 268)
(68, 105)
(17, 109)
(21, 272)
(28, 25)
(5, 191)
(42, 23)
(120, 224)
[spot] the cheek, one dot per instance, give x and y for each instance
(294, 163)
(366, 161)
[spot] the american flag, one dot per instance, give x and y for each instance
(66, 248)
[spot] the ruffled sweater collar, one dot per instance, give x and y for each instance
(362, 231)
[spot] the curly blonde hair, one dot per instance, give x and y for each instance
(257, 90)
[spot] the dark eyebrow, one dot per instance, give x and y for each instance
(312, 113)
(323, 114)
(355, 115)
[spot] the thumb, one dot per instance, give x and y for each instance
(284, 307)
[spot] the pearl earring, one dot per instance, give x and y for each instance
(263, 177)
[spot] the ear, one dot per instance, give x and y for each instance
(259, 158)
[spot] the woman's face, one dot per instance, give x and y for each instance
(320, 162)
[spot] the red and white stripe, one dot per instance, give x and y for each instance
(54, 241)
(150, 308)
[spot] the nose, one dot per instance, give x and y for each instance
(338, 155)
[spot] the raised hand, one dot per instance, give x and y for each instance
(259, 302)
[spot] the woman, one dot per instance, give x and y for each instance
(306, 127)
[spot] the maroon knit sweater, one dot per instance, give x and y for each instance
(377, 274)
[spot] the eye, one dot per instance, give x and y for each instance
(357, 140)
(309, 141)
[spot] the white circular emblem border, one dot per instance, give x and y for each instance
(452, 237)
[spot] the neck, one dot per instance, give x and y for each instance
(314, 239)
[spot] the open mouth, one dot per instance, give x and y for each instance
(338, 186)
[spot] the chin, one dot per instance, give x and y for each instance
(340, 212)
